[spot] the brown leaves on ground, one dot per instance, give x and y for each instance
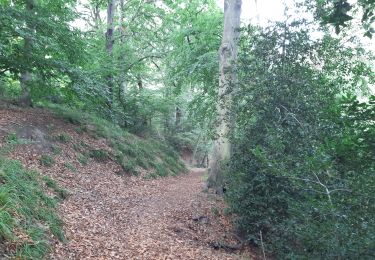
(125, 217)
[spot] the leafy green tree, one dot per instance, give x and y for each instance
(38, 45)
(339, 13)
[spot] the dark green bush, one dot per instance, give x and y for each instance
(302, 171)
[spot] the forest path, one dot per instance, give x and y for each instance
(109, 217)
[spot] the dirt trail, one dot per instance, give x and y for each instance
(115, 218)
(108, 216)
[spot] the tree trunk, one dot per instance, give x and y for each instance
(26, 76)
(178, 118)
(122, 40)
(227, 81)
(110, 40)
(25, 80)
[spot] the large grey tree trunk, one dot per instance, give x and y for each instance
(26, 75)
(227, 82)
(110, 41)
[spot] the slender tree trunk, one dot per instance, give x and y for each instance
(195, 148)
(95, 13)
(178, 118)
(140, 89)
(110, 40)
(139, 83)
(26, 75)
(227, 81)
(122, 40)
(122, 79)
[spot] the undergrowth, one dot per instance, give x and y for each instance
(132, 153)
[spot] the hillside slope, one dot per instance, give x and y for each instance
(113, 205)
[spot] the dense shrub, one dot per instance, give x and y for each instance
(303, 165)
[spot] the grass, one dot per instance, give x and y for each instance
(56, 150)
(27, 214)
(129, 151)
(12, 138)
(81, 129)
(50, 183)
(151, 176)
(161, 170)
(99, 155)
(63, 138)
(82, 159)
(70, 166)
(46, 160)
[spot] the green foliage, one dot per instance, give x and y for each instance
(182, 141)
(12, 138)
(70, 166)
(142, 162)
(46, 160)
(50, 183)
(55, 52)
(99, 155)
(82, 159)
(63, 138)
(81, 129)
(129, 151)
(161, 170)
(27, 210)
(340, 13)
(130, 167)
(304, 153)
(56, 149)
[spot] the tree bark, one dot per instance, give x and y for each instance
(227, 82)
(26, 75)
(110, 40)
(122, 40)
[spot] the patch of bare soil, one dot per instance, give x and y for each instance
(108, 216)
